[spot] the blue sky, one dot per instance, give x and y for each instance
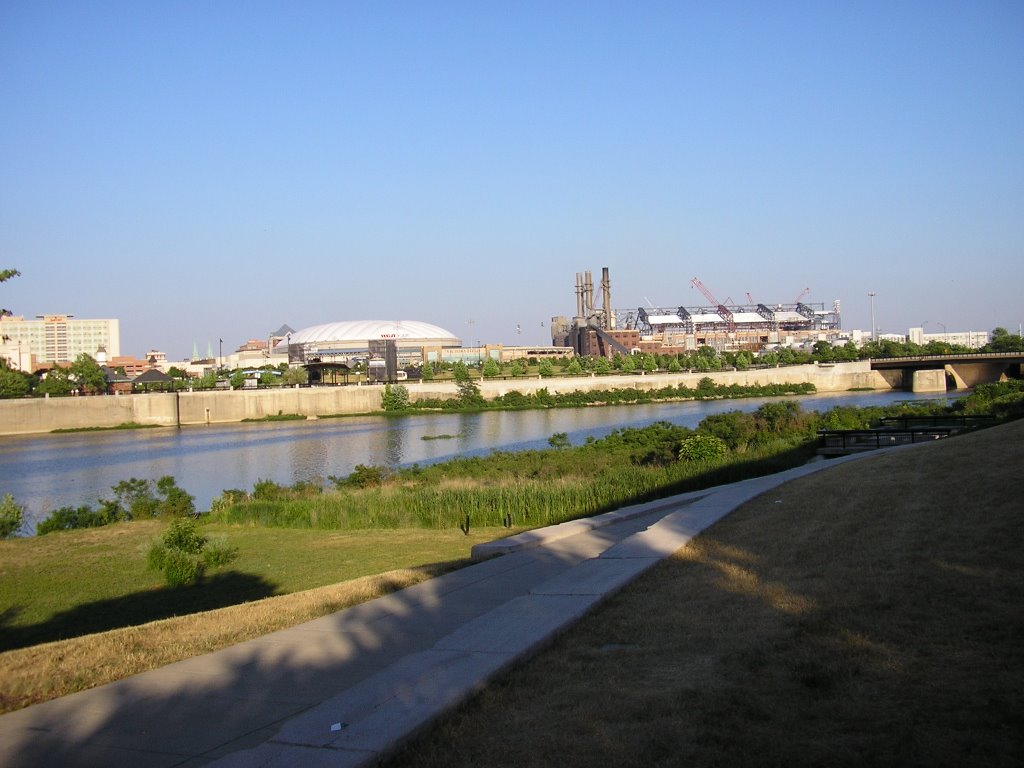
(205, 170)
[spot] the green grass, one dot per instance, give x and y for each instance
(75, 582)
(279, 417)
(125, 425)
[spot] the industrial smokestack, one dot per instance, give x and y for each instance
(589, 294)
(606, 299)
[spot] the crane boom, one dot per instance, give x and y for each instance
(704, 289)
(723, 310)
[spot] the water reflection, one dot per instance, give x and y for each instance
(48, 471)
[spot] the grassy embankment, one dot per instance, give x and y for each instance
(92, 587)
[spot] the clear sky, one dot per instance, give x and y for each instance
(206, 170)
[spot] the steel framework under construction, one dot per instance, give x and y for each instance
(602, 330)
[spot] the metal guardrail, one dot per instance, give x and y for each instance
(959, 421)
(837, 442)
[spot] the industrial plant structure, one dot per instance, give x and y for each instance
(602, 331)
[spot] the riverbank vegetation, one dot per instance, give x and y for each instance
(397, 399)
(537, 488)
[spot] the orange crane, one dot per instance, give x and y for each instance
(722, 309)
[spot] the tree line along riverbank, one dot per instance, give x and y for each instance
(39, 415)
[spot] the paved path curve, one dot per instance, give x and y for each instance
(345, 689)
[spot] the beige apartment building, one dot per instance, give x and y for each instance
(56, 339)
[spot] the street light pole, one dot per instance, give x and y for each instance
(874, 335)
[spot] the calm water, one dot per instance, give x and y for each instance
(49, 471)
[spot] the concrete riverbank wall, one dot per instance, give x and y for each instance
(37, 415)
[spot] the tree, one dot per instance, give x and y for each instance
(133, 500)
(427, 371)
(175, 501)
(574, 368)
(602, 366)
(1003, 341)
(237, 380)
(55, 382)
(6, 275)
(460, 372)
(491, 368)
(628, 364)
(293, 376)
(824, 351)
(469, 394)
(546, 368)
(13, 383)
(87, 375)
(396, 398)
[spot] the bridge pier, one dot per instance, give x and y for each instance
(932, 380)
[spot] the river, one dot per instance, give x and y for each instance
(44, 472)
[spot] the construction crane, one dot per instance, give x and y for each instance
(723, 310)
(803, 293)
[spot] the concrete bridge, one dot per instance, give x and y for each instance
(937, 373)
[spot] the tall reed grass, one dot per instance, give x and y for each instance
(527, 502)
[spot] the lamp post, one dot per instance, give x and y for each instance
(874, 334)
(220, 355)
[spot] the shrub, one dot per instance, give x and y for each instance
(70, 518)
(218, 552)
(267, 490)
(181, 569)
(702, 447)
(12, 515)
(362, 476)
(396, 398)
(183, 534)
(227, 499)
(559, 440)
(183, 553)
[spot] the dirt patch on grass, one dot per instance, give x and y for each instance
(869, 614)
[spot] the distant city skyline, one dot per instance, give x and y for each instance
(205, 172)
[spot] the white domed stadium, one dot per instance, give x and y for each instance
(355, 338)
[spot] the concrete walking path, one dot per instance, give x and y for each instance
(345, 689)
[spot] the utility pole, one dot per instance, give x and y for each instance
(874, 334)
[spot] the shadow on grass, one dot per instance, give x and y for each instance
(217, 591)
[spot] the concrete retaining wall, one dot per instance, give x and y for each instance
(218, 407)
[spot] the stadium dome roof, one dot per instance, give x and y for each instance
(363, 331)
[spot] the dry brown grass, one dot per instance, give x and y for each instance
(872, 614)
(46, 671)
